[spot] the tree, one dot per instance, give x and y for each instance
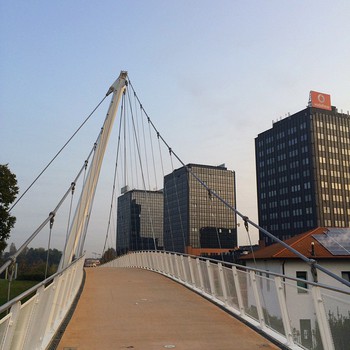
(8, 193)
(108, 255)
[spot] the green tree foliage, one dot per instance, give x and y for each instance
(8, 193)
(108, 255)
(32, 263)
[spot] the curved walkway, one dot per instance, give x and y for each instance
(140, 309)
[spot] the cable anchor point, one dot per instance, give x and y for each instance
(245, 219)
(52, 216)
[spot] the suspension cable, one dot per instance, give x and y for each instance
(178, 202)
(216, 224)
(310, 262)
(250, 242)
(57, 154)
(147, 194)
(145, 149)
(154, 164)
(165, 200)
(13, 258)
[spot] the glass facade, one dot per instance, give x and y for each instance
(139, 221)
(196, 222)
(303, 173)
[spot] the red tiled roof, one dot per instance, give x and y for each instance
(301, 243)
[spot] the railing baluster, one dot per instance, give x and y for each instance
(184, 269)
(190, 260)
(15, 310)
(257, 299)
(201, 281)
(211, 278)
(178, 271)
(223, 282)
(238, 290)
(322, 320)
(284, 311)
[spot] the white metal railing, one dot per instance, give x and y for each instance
(268, 301)
(31, 324)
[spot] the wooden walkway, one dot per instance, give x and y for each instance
(139, 309)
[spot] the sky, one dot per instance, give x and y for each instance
(212, 76)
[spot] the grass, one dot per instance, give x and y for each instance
(17, 287)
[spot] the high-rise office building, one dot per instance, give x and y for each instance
(139, 221)
(195, 222)
(303, 171)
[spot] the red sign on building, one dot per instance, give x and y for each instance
(320, 100)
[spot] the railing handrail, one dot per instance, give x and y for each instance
(269, 308)
(33, 289)
(248, 268)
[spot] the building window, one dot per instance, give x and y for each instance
(302, 286)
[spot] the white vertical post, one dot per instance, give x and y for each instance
(15, 310)
(159, 261)
(284, 311)
(193, 281)
(223, 282)
(46, 313)
(167, 263)
(322, 320)
(34, 320)
(211, 278)
(238, 290)
(257, 299)
(200, 274)
(177, 267)
(142, 265)
(171, 265)
(162, 265)
(184, 269)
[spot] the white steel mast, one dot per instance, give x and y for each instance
(76, 235)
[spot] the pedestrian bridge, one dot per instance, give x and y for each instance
(138, 309)
(137, 301)
(154, 299)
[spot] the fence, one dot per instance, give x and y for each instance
(32, 323)
(267, 301)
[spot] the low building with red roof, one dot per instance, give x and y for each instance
(330, 248)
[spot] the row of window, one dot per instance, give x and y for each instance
(288, 213)
(332, 126)
(285, 202)
(334, 138)
(336, 223)
(340, 211)
(285, 190)
(331, 149)
(280, 146)
(294, 164)
(334, 185)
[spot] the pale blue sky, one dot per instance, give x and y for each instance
(216, 72)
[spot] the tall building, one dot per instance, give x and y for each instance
(139, 221)
(194, 221)
(303, 171)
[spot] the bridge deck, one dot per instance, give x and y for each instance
(139, 309)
